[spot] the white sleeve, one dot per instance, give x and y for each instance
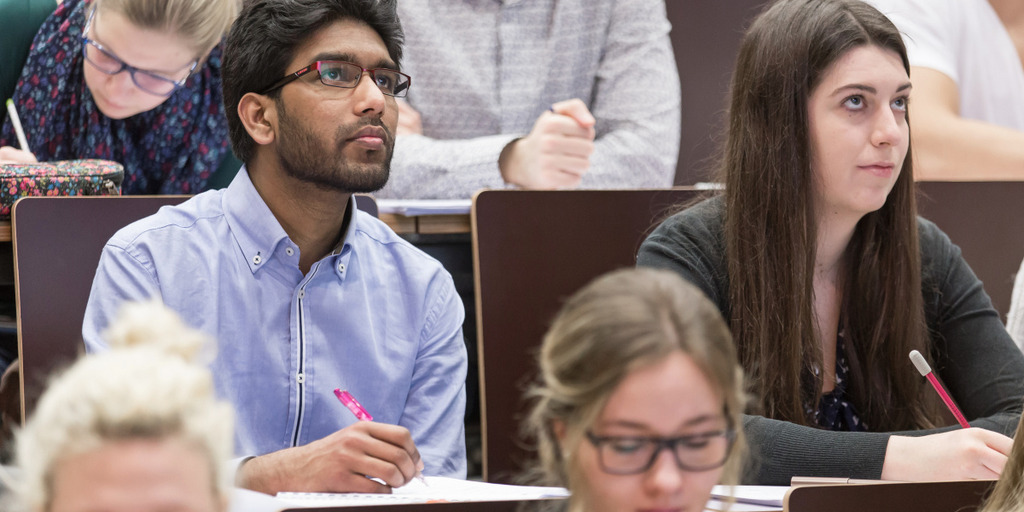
(930, 29)
(1015, 318)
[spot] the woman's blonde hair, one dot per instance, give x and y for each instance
(200, 23)
(620, 322)
(145, 387)
(1008, 494)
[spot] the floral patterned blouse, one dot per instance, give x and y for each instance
(835, 412)
(171, 149)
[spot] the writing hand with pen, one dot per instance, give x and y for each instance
(554, 155)
(556, 152)
(969, 453)
(340, 462)
(9, 154)
(12, 155)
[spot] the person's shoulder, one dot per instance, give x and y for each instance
(375, 235)
(938, 252)
(172, 221)
(703, 219)
(930, 236)
(68, 10)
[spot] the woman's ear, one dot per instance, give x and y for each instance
(558, 428)
(258, 114)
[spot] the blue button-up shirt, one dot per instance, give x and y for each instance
(377, 317)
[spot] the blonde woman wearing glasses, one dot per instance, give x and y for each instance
(639, 401)
(133, 81)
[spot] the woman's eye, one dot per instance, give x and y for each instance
(696, 443)
(854, 102)
(900, 104)
(626, 445)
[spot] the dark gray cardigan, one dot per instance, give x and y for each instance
(975, 357)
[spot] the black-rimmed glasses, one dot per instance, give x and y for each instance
(628, 455)
(338, 73)
(106, 62)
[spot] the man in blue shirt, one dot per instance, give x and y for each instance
(304, 292)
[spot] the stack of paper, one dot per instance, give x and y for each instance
(414, 207)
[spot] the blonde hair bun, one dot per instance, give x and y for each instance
(150, 324)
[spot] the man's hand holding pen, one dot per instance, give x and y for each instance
(338, 462)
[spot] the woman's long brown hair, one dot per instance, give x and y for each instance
(771, 230)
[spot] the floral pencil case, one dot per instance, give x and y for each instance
(62, 178)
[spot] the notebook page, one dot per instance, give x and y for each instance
(766, 495)
(437, 489)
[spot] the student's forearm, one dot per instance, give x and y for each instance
(951, 148)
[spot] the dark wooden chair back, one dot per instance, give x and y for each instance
(57, 246)
(532, 250)
(960, 496)
(706, 36)
(982, 218)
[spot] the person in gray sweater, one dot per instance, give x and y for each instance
(816, 258)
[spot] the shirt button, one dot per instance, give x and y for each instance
(341, 267)
(300, 378)
(289, 251)
(256, 260)
(302, 294)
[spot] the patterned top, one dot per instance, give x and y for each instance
(171, 149)
(484, 70)
(834, 411)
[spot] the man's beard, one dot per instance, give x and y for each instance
(302, 158)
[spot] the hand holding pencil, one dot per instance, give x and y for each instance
(9, 154)
(340, 461)
(556, 152)
(963, 454)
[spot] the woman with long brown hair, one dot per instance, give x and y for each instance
(816, 258)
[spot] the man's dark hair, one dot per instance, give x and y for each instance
(263, 40)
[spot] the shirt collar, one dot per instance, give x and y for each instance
(256, 229)
(253, 225)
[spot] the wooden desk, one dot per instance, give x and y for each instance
(5, 231)
(424, 224)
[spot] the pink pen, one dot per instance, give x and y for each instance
(357, 409)
(926, 371)
(353, 405)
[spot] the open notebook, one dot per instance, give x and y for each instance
(437, 489)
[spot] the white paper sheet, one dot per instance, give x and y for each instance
(438, 489)
(770, 496)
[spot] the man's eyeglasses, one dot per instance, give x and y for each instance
(629, 455)
(105, 61)
(337, 73)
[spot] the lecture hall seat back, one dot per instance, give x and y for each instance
(532, 250)
(19, 22)
(57, 246)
